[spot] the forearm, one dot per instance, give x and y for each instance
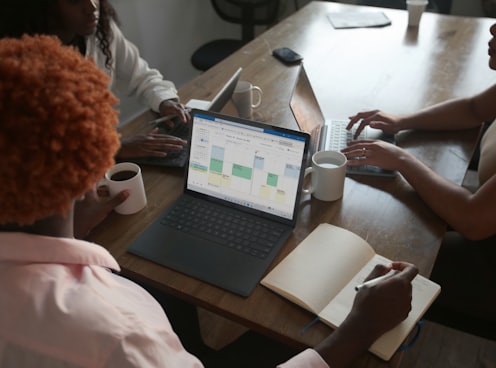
(345, 345)
(465, 212)
(449, 115)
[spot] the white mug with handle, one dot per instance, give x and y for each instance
(126, 175)
(243, 98)
(328, 172)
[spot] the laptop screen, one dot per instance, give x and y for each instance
(246, 163)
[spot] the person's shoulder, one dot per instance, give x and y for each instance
(114, 27)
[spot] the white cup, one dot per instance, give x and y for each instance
(243, 97)
(126, 175)
(415, 10)
(328, 172)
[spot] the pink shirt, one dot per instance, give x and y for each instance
(61, 306)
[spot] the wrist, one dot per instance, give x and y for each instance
(347, 343)
(408, 164)
(165, 105)
(404, 123)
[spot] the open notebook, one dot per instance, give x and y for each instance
(321, 274)
(240, 202)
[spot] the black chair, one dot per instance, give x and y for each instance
(247, 13)
(489, 8)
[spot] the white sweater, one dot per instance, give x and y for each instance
(130, 74)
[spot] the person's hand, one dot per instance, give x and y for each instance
(375, 119)
(380, 307)
(152, 144)
(376, 309)
(173, 107)
(93, 208)
(374, 152)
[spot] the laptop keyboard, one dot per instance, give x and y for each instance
(339, 136)
(179, 129)
(238, 231)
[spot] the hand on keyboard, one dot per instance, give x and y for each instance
(152, 144)
(177, 128)
(339, 136)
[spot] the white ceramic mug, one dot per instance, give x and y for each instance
(243, 98)
(328, 172)
(415, 10)
(126, 175)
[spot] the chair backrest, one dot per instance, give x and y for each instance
(248, 13)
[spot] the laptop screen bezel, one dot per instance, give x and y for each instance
(303, 135)
(225, 93)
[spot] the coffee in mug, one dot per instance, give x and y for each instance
(123, 175)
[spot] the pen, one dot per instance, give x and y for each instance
(376, 280)
(163, 118)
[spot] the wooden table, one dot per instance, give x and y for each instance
(395, 68)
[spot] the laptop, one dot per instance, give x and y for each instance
(181, 130)
(239, 205)
(329, 134)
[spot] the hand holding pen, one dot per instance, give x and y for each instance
(376, 280)
(378, 307)
(174, 107)
(162, 119)
(381, 273)
(385, 298)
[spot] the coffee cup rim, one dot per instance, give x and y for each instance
(122, 166)
(330, 153)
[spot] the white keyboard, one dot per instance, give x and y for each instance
(338, 136)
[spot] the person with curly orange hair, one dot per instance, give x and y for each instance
(91, 27)
(60, 303)
(49, 115)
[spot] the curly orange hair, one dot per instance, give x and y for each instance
(57, 128)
